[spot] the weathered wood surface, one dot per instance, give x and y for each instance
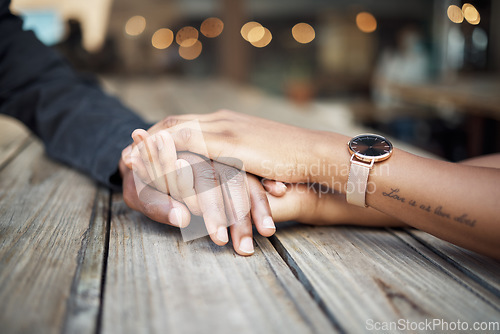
(481, 269)
(45, 211)
(71, 263)
(13, 138)
(157, 283)
(361, 274)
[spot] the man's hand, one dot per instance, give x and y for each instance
(196, 183)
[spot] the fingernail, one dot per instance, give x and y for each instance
(135, 137)
(175, 217)
(246, 245)
(268, 223)
(222, 234)
(159, 142)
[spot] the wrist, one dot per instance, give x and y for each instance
(330, 161)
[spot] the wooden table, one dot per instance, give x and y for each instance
(75, 259)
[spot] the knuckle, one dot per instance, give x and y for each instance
(260, 198)
(205, 175)
(169, 122)
(149, 209)
(242, 217)
(185, 135)
(227, 134)
(231, 175)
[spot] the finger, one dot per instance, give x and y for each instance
(172, 121)
(154, 204)
(292, 206)
(185, 185)
(168, 157)
(140, 151)
(261, 211)
(210, 198)
(188, 136)
(275, 188)
(237, 206)
(148, 150)
(140, 170)
(127, 156)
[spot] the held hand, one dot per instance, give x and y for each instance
(196, 182)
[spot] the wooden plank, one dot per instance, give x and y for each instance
(361, 274)
(480, 268)
(13, 138)
(157, 283)
(45, 210)
(84, 305)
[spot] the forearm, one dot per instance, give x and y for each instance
(455, 202)
(333, 209)
(306, 204)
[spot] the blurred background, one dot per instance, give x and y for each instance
(426, 72)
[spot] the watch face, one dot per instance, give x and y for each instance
(369, 147)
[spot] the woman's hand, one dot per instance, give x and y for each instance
(319, 206)
(210, 189)
(269, 149)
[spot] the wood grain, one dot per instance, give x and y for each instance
(157, 283)
(361, 274)
(84, 304)
(484, 270)
(45, 210)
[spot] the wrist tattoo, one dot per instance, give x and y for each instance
(438, 210)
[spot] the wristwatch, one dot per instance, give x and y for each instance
(366, 149)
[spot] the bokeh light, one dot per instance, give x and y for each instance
(303, 33)
(455, 14)
(212, 27)
(265, 40)
(162, 38)
(191, 52)
(247, 27)
(187, 36)
(366, 22)
(256, 34)
(135, 25)
(471, 14)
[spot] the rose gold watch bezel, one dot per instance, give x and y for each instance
(367, 158)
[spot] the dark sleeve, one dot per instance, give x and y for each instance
(79, 124)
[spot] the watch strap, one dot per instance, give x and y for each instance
(357, 183)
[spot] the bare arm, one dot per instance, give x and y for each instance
(456, 202)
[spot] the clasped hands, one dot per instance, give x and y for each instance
(173, 180)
